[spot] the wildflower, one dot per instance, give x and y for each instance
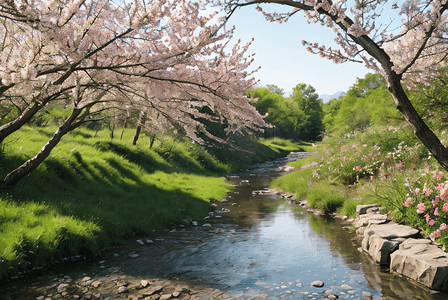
(436, 211)
(445, 207)
(435, 201)
(427, 169)
(431, 222)
(417, 190)
(421, 208)
(427, 218)
(439, 175)
(432, 236)
(408, 202)
(383, 179)
(438, 232)
(358, 168)
(442, 226)
(400, 164)
(443, 188)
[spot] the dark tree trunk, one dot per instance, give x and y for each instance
(421, 130)
(18, 122)
(31, 164)
(153, 139)
(140, 122)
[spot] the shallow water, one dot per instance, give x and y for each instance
(259, 246)
(266, 247)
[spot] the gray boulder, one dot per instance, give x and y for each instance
(381, 240)
(363, 209)
(365, 220)
(423, 262)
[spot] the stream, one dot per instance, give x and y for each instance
(257, 246)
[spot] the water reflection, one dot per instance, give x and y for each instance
(265, 247)
(259, 246)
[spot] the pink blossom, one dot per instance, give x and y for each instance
(431, 222)
(379, 153)
(443, 188)
(408, 202)
(370, 154)
(438, 232)
(399, 164)
(432, 236)
(435, 201)
(358, 167)
(421, 208)
(445, 207)
(436, 211)
(442, 226)
(385, 174)
(417, 190)
(382, 179)
(356, 153)
(427, 169)
(427, 218)
(439, 175)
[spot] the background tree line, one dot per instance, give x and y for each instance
(297, 117)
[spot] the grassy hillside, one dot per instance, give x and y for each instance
(388, 166)
(93, 192)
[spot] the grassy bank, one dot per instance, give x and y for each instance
(93, 192)
(388, 166)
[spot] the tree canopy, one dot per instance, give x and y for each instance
(407, 45)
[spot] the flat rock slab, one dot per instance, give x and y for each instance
(381, 240)
(423, 262)
(391, 231)
(362, 209)
(365, 220)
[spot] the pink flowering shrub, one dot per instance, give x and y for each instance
(428, 197)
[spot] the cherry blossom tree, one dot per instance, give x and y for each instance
(404, 41)
(164, 56)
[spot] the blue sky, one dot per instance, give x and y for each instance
(284, 61)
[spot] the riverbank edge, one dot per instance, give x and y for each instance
(404, 251)
(90, 195)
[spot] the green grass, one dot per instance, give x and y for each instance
(93, 192)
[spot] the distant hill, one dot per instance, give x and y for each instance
(326, 97)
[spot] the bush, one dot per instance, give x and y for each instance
(325, 197)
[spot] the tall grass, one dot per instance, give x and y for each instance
(93, 192)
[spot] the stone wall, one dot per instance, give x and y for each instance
(402, 248)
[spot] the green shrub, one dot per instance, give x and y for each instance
(325, 197)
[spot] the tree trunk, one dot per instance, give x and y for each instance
(18, 122)
(153, 139)
(421, 130)
(31, 164)
(140, 122)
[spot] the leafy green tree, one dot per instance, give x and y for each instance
(275, 89)
(308, 101)
(431, 100)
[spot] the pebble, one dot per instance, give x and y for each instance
(317, 283)
(144, 283)
(140, 242)
(194, 223)
(133, 255)
(367, 295)
(122, 289)
(346, 287)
